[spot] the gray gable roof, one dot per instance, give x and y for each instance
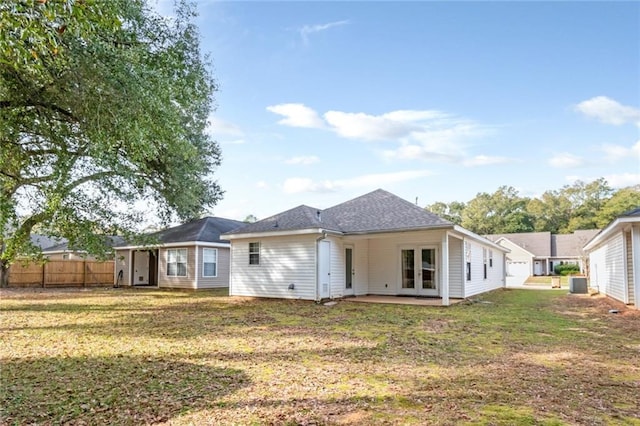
(110, 241)
(44, 242)
(631, 213)
(377, 211)
(536, 243)
(380, 211)
(207, 229)
(571, 244)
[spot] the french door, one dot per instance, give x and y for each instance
(419, 272)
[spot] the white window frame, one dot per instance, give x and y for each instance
(175, 254)
(255, 243)
(215, 262)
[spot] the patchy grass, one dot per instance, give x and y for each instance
(546, 280)
(118, 356)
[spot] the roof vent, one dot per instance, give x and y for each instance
(318, 214)
(275, 225)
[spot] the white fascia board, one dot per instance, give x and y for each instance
(607, 232)
(278, 233)
(479, 239)
(517, 245)
(178, 244)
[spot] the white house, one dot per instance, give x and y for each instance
(374, 244)
(614, 259)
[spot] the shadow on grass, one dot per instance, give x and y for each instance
(109, 390)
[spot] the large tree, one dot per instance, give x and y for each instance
(502, 212)
(622, 201)
(103, 106)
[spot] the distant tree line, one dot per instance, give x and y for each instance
(579, 206)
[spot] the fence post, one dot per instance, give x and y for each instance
(44, 274)
(84, 275)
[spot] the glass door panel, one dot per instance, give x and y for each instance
(408, 268)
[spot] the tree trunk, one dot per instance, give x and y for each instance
(4, 274)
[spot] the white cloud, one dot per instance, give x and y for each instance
(609, 111)
(622, 180)
(233, 142)
(303, 160)
(618, 152)
(297, 185)
(262, 185)
(421, 134)
(566, 160)
(297, 115)
(484, 160)
(218, 126)
(368, 127)
(306, 30)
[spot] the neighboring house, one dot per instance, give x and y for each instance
(44, 242)
(375, 244)
(190, 256)
(537, 253)
(614, 259)
(63, 251)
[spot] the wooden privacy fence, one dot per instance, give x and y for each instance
(61, 273)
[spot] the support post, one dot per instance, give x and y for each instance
(445, 269)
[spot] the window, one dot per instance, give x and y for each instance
(209, 262)
(490, 258)
(177, 262)
(484, 262)
(468, 271)
(254, 253)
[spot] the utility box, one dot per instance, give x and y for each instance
(578, 285)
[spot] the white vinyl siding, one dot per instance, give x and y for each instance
(209, 263)
(456, 268)
(607, 268)
(337, 267)
(478, 283)
(283, 261)
(629, 261)
(122, 264)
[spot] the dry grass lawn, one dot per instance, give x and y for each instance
(118, 356)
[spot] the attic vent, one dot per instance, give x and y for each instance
(319, 216)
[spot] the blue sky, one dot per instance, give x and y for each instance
(320, 102)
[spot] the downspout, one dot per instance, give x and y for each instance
(320, 238)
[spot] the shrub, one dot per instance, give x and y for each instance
(567, 269)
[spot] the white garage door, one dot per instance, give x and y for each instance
(517, 272)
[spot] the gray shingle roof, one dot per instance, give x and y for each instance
(571, 244)
(45, 242)
(631, 213)
(536, 243)
(110, 241)
(207, 229)
(377, 211)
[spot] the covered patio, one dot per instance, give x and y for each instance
(402, 300)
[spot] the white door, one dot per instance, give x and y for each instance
(349, 271)
(140, 267)
(418, 271)
(537, 268)
(324, 269)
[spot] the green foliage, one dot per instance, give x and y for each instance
(102, 104)
(622, 201)
(566, 269)
(579, 206)
(451, 212)
(502, 212)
